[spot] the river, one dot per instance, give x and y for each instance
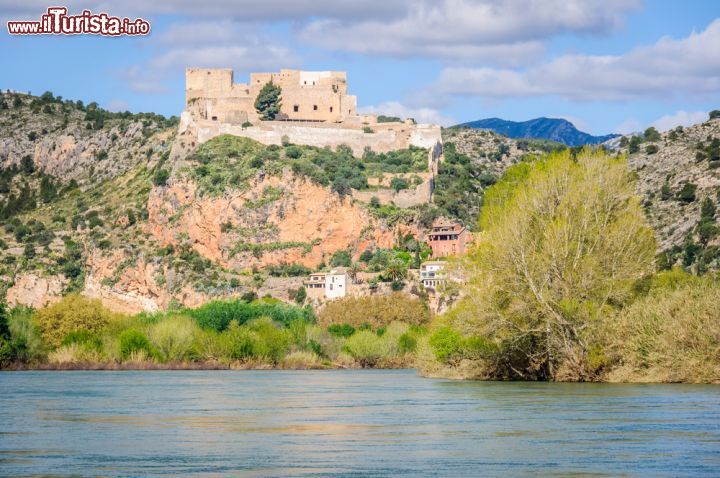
(349, 423)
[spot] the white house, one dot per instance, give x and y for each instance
(431, 274)
(331, 285)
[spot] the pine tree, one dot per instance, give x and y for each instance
(268, 101)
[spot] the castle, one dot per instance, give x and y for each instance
(316, 110)
(320, 96)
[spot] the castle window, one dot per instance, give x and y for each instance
(314, 107)
(296, 108)
(331, 109)
(214, 118)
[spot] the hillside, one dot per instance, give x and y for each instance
(112, 205)
(678, 172)
(553, 129)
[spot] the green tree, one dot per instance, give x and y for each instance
(398, 183)
(268, 101)
(563, 238)
(651, 134)
(687, 193)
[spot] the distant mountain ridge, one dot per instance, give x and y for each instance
(554, 129)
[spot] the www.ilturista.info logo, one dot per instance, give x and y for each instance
(57, 22)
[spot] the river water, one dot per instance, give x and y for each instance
(349, 423)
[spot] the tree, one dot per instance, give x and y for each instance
(687, 193)
(161, 177)
(341, 258)
(634, 144)
(651, 134)
(353, 272)
(563, 239)
(268, 101)
(396, 270)
(398, 183)
(714, 114)
(27, 165)
(74, 313)
(301, 295)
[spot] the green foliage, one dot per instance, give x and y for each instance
(651, 149)
(378, 311)
(687, 193)
(218, 314)
(161, 177)
(651, 134)
(74, 313)
(341, 258)
(459, 187)
(576, 216)
(133, 343)
(634, 144)
(341, 330)
(268, 101)
(388, 119)
(398, 183)
(714, 114)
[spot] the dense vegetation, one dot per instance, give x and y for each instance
(229, 161)
(80, 332)
(566, 256)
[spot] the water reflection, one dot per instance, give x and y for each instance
(273, 423)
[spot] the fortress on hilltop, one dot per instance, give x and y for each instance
(316, 110)
(306, 95)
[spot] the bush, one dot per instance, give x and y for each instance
(161, 177)
(687, 193)
(398, 183)
(218, 314)
(714, 114)
(367, 348)
(671, 335)
(341, 258)
(134, 344)
(651, 134)
(341, 330)
(378, 311)
(74, 313)
(651, 149)
(173, 337)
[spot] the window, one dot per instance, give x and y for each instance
(314, 107)
(296, 108)
(214, 118)
(331, 109)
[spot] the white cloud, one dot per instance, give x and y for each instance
(508, 33)
(628, 126)
(503, 32)
(421, 115)
(679, 118)
(222, 44)
(668, 68)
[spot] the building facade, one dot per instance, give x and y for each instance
(448, 239)
(432, 274)
(328, 285)
(318, 96)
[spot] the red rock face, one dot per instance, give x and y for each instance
(305, 223)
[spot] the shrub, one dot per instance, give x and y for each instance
(273, 341)
(341, 258)
(651, 134)
(218, 314)
(133, 343)
(74, 313)
(398, 183)
(161, 177)
(687, 193)
(173, 337)
(446, 343)
(651, 149)
(367, 348)
(378, 311)
(341, 330)
(714, 114)
(671, 335)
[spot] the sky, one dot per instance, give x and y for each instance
(606, 65)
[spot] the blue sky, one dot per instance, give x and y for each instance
(608, 66)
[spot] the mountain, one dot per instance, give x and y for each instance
(554, 129)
